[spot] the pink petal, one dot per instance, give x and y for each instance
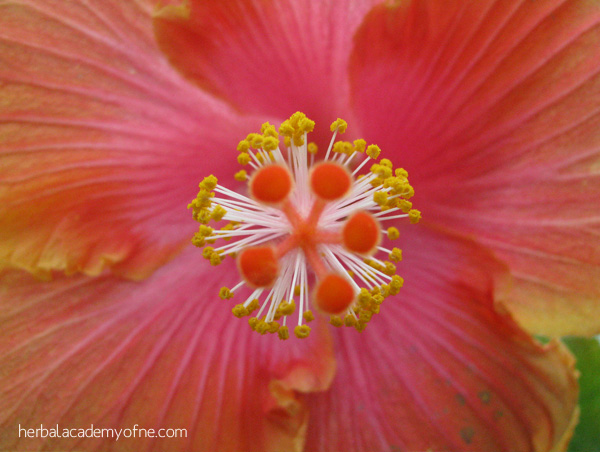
(102, 143)
(164, 353)
(494, 108)
(272, 57)
(440, 369)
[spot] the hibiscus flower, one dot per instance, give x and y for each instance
(112, 111)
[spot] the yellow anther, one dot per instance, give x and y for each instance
(260, 157)
(255, 140)
(297, 291)
(268, 130)
(396, 284)
(378, 299)
(380, 197)
(241, 175)
(343, 147)
(253, 321)
(390, 269)
(360, 145)
(306, 125)
(287, 308)
(253, 306)
(399, 185)
(391, 182)
(287, 141)
(296, 127)
(283, 333)
(390, 204)
(208, 183)
(404, 205)
(240, 311)
(270, 143)
(414, 216)
(393, 233)
(262, 327)
(404, 190)
(382, 171)
(339, 124)
(225, 293)
(295, 118)
(387, 163)
(365, 315)
(360, 326)
(215, 259)
(198, 240)
(308, 316)
(302, 331)
(244, 158)
(265, 126)
(385, 290)
(312, 148)
(205, 231)
(396, 255)
(349, 320)
(385, 172)
(286, 129)
(218, 213)
(273, 327)
(378, 181)
(243, 146)
(208, 252)
(364, 296)
(202, 216)
(203, 199)
(298, 140)
(373, 151)
(336, 320)
(401, 172)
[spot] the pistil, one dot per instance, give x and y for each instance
(304, 218)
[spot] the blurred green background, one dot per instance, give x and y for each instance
(587, 433)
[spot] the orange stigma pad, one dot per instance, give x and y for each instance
(330, 181)
(361, 233)
(258, 265)
(271, 184)
(334, 294)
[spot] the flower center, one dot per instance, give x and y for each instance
(305, 235)
(303, 221)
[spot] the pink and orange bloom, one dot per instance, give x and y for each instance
(112, 111)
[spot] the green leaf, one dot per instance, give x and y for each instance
(587, 433)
